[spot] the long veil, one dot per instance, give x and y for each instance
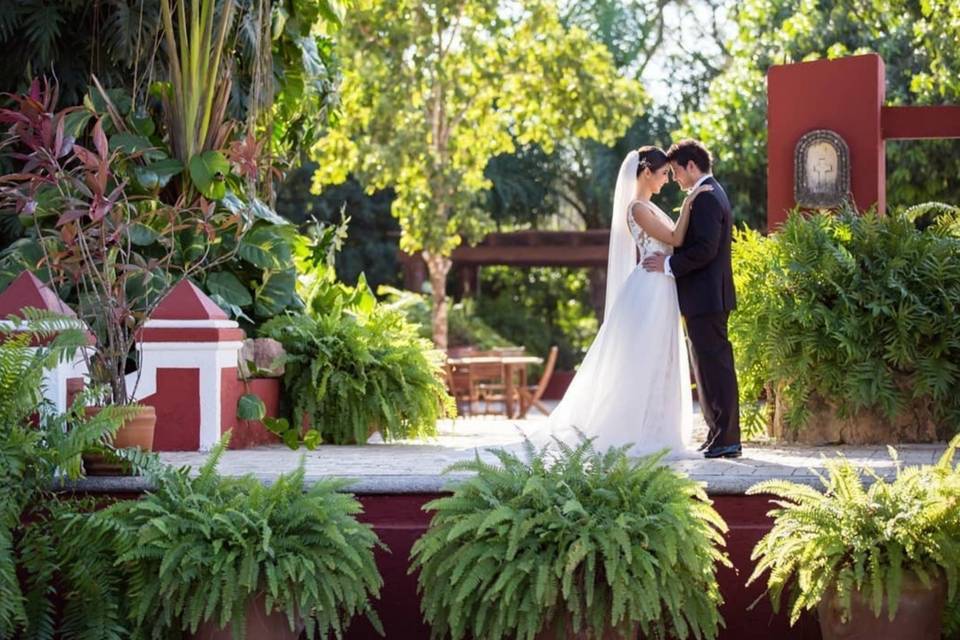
(622, 255)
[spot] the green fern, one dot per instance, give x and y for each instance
(571, 537)
(349, 373)
(851, 538)
(198, 548)
(38, 447)
(851, 311)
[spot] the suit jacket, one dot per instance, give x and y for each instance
(702, 264)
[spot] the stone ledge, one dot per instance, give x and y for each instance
(389, 484)
(415, 467)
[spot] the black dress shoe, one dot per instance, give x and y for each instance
(729, 451)
(704, 445)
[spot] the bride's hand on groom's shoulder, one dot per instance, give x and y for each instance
(701, 189)
(688, 201)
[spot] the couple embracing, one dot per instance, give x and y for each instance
(634, 383)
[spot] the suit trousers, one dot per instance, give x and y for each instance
(712, 356)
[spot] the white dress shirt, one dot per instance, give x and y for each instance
(666, 263)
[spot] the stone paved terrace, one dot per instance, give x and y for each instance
(416, 466)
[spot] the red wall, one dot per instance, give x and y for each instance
(399, 520)
(844, 95)
(177, 402)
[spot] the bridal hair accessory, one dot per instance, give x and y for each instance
(645, 157)
(643, 161)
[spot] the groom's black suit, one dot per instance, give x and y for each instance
(704, 275)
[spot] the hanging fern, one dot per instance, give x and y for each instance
(571, 537)
(850, 538)
(200, 548)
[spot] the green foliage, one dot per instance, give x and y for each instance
(288, 47)
(199, 547)
(349, 373)
(523, 187)
(352, 365)
(857, 311)
(596, 540)
(41, 559)
(237, 248)
(430, 95)
(512, 77)
(944, 218)
(193, 107)
(466, 328)
(111, 245)
(529, 186)
(539, 308)
(371, 248)
(72, 41)
(917, 42)
(196, 548)
(68, 558)
(855, 539)
(284, 65)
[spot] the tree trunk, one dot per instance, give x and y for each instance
(438, 266)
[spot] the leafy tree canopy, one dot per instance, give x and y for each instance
(432, 92)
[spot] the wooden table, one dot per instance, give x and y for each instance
(509, 364)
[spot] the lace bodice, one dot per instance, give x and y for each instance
(645, 243)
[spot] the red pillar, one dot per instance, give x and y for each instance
(844, 95)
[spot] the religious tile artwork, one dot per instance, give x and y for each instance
(822, 170)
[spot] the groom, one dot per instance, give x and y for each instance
(704, 276)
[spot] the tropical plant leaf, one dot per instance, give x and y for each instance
(208, 172)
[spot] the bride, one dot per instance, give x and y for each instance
(634, 383)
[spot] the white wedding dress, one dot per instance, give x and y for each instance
(634, 383)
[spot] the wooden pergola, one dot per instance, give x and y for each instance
(517, 249)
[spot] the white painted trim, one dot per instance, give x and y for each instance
(210, 358)
(161, 347)
(190, 324)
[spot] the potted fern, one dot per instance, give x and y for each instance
(571, 543)
(875, 562)
(353, 366)
(213, 556)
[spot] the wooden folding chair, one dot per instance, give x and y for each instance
(530, 395)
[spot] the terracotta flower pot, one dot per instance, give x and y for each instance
(550, 632)
(260, 625)
(135, 432)
(919, 614)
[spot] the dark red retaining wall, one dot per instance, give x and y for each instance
(399, 521)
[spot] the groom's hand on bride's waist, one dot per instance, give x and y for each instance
(655, 262)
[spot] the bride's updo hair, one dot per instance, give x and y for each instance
(650, 157)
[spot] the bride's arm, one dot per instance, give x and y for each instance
(656, 227)
(680, 229)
